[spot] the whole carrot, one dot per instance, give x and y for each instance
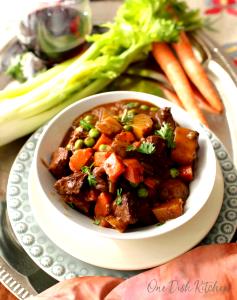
(203, 104)
(170, 95)
(175, 73)
(196, 72)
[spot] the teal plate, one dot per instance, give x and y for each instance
(59, 264)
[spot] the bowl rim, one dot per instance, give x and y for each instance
(146, 231)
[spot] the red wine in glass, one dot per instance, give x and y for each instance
(56, 32)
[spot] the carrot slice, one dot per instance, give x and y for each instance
(125, 136)
(186, 172)
(151, 183)
(103, 140)
(134, 170)
(114, 167)
(196, 72)
(100, 158)
(102, 207)
(79, 159)
(173, 70)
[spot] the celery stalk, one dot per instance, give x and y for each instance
(34, 82)
(137, 25)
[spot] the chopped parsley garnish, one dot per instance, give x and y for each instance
(130, 148)
(126, 117)
(174, 172)
(72, 205)
(119, 200)
(96, 222)
(90, 177)
(144, 148)
(166, 133)
(85, 125)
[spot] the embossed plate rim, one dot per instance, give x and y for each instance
(61, 265)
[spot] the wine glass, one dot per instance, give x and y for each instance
(54, 29)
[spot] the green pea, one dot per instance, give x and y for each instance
(88, 118)
(142, 193)
(104, 147)
(154, 108)
(78, 144)
(127, 127)
(94, 133)
(144, 107)
(68, 147)
(132, 104)
(89, 141)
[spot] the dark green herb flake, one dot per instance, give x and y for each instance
(90, 177)
(119, 200)
(146, 148)
(166, 133)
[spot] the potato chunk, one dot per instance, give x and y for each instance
(186, 144)
(168, 210)
(142, 125)
(109, 126)
(116, 223)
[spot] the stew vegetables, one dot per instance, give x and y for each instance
(126, 164)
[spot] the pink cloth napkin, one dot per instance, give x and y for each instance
(206, 272)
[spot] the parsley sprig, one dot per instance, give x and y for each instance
(96, 222)
(119, 199)
(166, 133)
(85, 125)
(144, 148)
(71, 204)
(90, 177)
(127, 117)
(130, 148)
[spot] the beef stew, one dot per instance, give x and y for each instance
(126, 164)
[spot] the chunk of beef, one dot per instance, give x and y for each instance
(59, 162)
(160, 145)
(119, 147)
(75, 134)
(70, 185)
(78, 203)
(100, 176)
(126, 210)
(121, 142)
(157, 163)
(173, 189)
(144, 213)
(164, 116)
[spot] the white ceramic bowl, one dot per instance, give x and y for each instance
(200, 187)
